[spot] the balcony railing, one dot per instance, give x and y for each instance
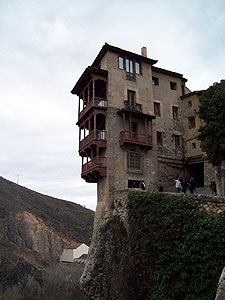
(94, 102)
(132, 106)
(96, 163)
(131, 76)
(135, 138)
(97, 135)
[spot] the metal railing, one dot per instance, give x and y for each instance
(131, 76)
(132, 106)
(94, 135)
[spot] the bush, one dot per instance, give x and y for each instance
(178, 250)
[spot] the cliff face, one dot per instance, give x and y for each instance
(26, 231)
(36, 228)
(159, 246)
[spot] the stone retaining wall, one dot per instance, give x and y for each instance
(213, 205)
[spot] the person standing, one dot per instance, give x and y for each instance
(143, 185)
(185, 185)
(191, 185)
(178, 185)
(160, 186)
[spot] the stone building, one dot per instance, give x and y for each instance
(130, 124)
(196, 164)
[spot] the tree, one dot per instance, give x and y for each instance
(212, 135)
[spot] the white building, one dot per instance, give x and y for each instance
(73, 252)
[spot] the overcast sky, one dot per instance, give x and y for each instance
(46, 45)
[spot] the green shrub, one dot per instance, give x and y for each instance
(178, 250)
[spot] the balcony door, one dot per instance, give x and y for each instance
(131, 97)
(133, 128)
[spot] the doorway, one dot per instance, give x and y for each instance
(196, 170)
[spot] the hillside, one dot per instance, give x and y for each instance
(35, 227)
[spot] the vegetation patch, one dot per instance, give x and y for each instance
(177, 250)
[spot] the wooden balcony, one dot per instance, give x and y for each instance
(96, 103)
(95, 169)
(129, 137)
(95, 137)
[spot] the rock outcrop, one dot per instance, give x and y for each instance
(152, 245)
(36, 228)
(26, 231)
(221, 287)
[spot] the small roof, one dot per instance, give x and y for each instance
(167, 72)
(74, 246)
(198, 93)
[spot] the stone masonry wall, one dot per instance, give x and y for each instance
(211, 204)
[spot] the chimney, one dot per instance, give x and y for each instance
(144, 51)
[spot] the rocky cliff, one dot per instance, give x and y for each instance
(36, 228)
(157, 246)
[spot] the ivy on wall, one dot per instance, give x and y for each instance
(177, 251)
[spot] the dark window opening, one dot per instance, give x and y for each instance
(100, 89)
(135, 184)
(155, 80)
(131, 97)
(193, 146)
(157, 111)
(177, 141)
(173, 85)
(183, 89)
(191, 122)
(189, 103)
(175, 112)
(159, 138)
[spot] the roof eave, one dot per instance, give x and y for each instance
(120, 51)
(85, 78)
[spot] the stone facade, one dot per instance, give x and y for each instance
(133, 125)
(196, 164)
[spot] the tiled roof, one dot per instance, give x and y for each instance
(73, 246)
(85, 77)
(167, 72)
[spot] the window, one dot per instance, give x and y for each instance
(155, 81)
(121, 62)
(191, 122)
(189, 103)
(135, 161)
(131, 97)
(193, 146)
(129, 66)
(173, 85)
(135, 184)
(137, 68)
(177, 141)
(183, 89)
(157, 111)
(159, 138)
(132, 67)
(175, 112)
